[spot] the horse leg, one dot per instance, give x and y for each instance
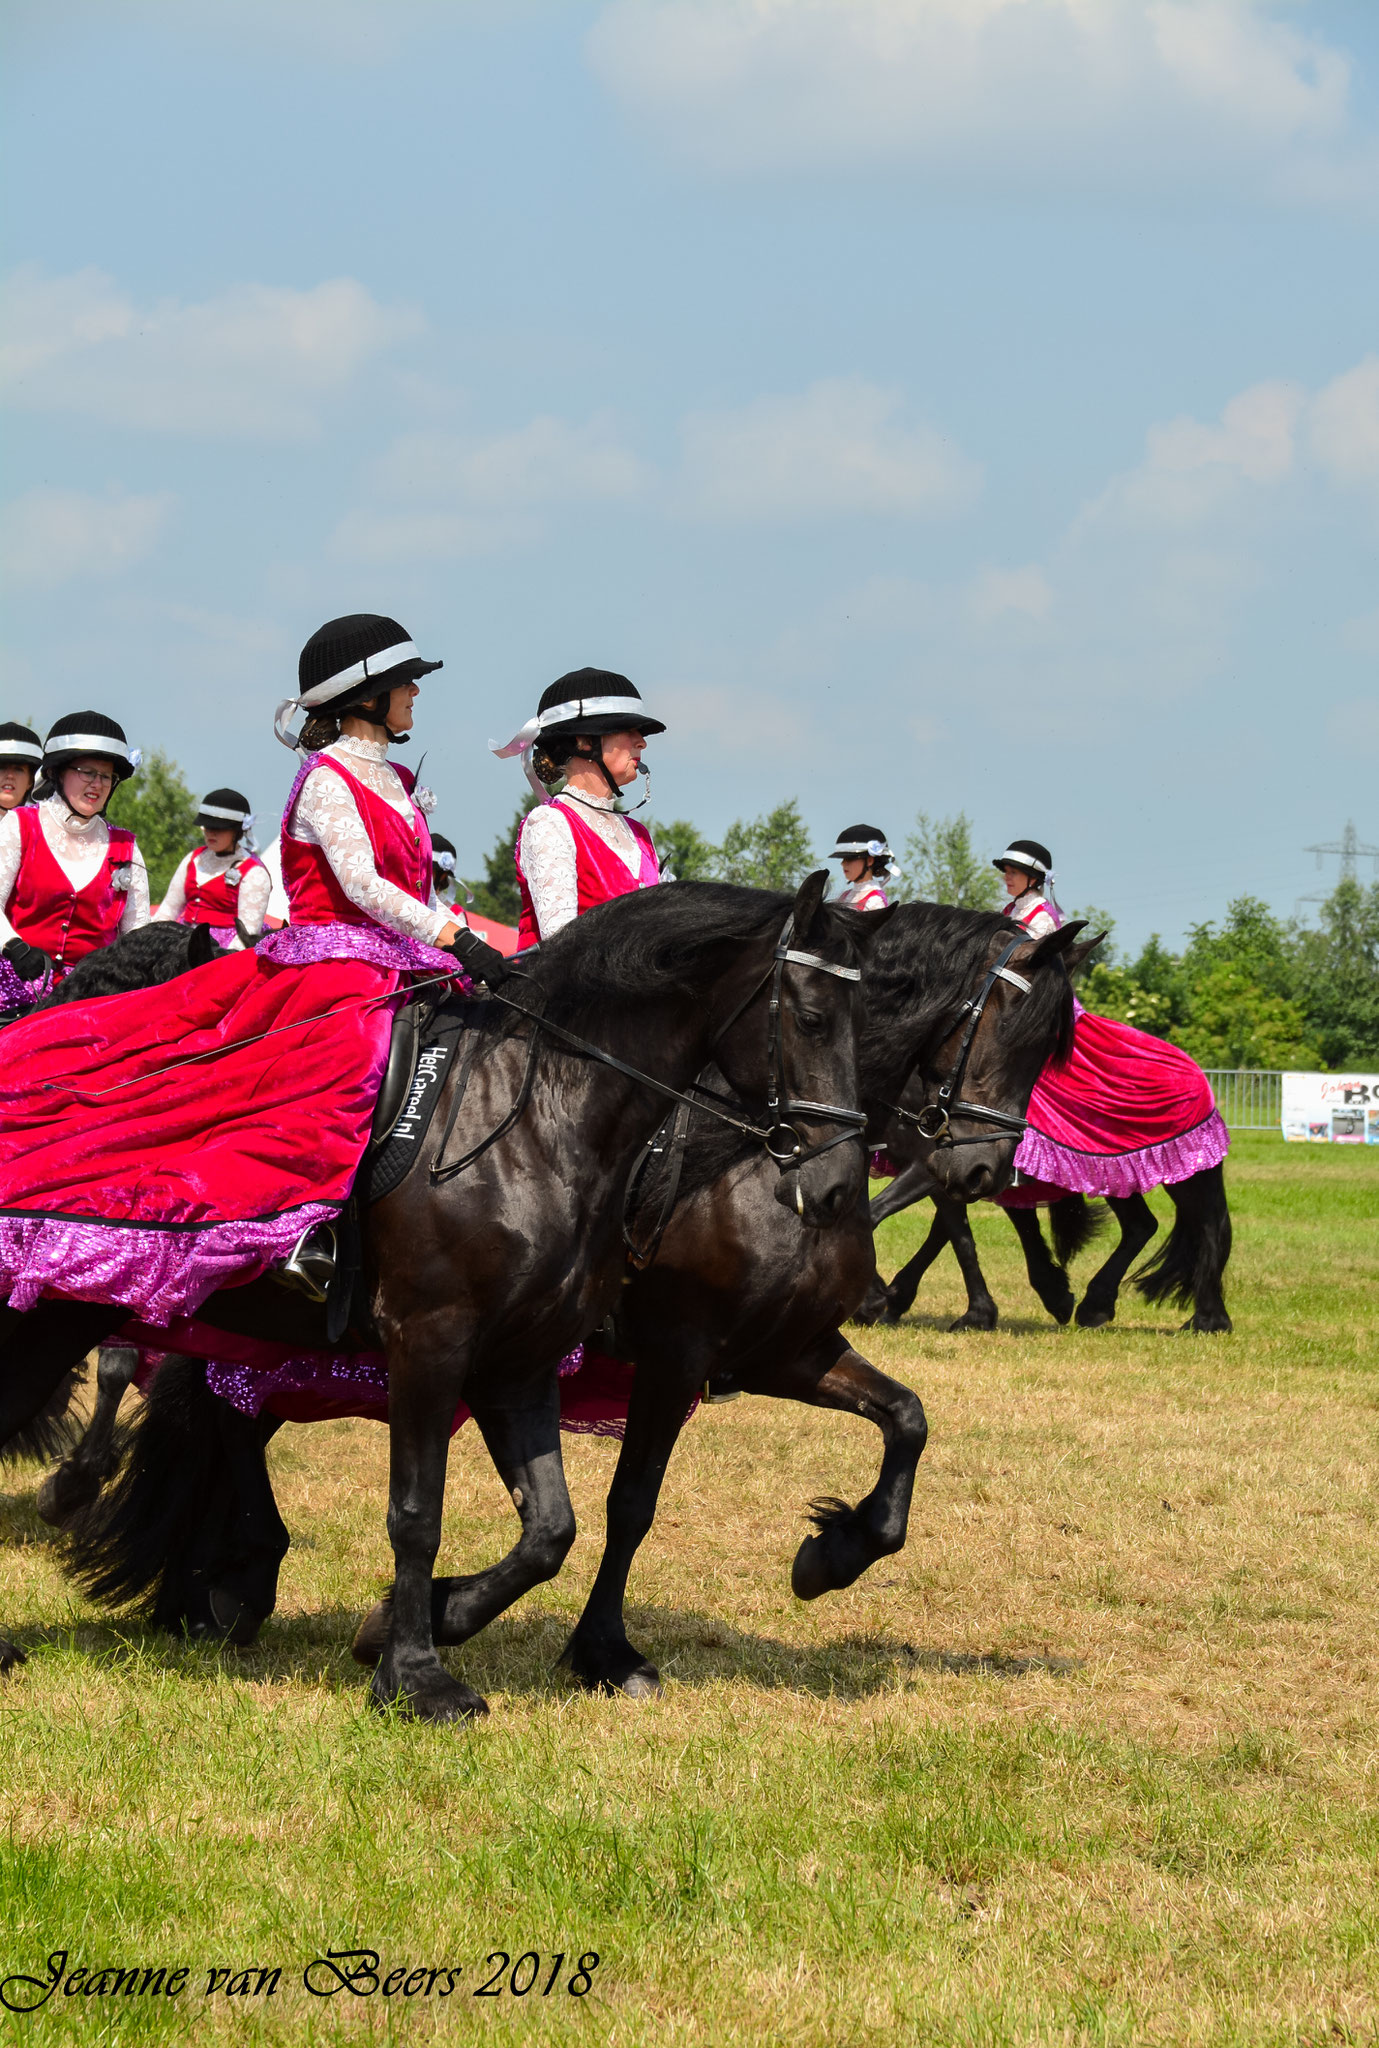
(75, 1483)
(1136, 1220)
(228, 1585)
(529, 1464)
(980, 1313)
(910, 1186)
(37, 1351)
(1048, 1279)
(1190, 1267)
(599, 1652)
(898, 1298)
(830, 1374)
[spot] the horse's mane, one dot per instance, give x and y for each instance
(655, 942)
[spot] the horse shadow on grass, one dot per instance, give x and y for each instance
(518, 1656)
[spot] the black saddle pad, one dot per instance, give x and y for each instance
(400, 1147)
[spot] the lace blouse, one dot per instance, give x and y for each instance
(863, 895)
(548, 854)
(78, 846)
(1030, 911)
(326, 815)
(252, 899)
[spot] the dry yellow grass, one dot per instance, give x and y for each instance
(1093, 1760)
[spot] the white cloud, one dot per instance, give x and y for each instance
(49, 537)
(256, 360)
(1154, 93)
(547, 462)
(840, 447)
(1002, 593)
(1344, 425)
(465, 495)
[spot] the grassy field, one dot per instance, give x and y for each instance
(1094, 1760)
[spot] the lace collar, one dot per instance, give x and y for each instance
(361, 750)
(72, 822)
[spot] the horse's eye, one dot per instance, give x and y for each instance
(809, 1020)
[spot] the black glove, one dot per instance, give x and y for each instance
(481, 962)
(26, 960)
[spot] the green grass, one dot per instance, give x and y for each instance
(1094, 1760)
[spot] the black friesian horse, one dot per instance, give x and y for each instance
(735, 1297)
(481, 1281)
(1188, 1268)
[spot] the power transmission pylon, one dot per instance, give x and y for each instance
(1350, 848)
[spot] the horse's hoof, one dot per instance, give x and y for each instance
(1089, 1318)
(439, 1698)
(642, 1684)
(371, 1637)
(1207, 1326)
(64, 1493)
(1060, 1306)
(975, 1319)
(809, 1575)
(225, 1618)
(10, 1655)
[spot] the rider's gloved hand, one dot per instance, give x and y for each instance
(26, 960)
(480, 961)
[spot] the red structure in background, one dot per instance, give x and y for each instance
(503, 936)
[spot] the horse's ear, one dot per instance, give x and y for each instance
(1083, 950)
(1059, 944)
(809, 900)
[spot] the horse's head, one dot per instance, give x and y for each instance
(790, 1051)
(972, 1089)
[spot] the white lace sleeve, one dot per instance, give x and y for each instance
(11, 850)
(135, 913)
(326, 815)
(252, 907)
(548, 862)
(174, 897)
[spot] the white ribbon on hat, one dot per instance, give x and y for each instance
(556, 714)
(362, 671)
(92, 743)
(20, 750)
(444, 861)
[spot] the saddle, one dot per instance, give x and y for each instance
(423, 1044)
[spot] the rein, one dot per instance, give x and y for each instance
(789, 1156)
(934, 1120)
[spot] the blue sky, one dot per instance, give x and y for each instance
(931, 404)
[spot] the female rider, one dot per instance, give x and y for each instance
(222, 885)
(157, 1146)
(578, 848)
(1027, 870)
(21, 751)
(867, 860)
(69, 881)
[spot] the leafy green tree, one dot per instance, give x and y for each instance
(158, 807)
(770, 852)
(942, 866)
(1114, 992)
(497, 895)
(1337, 975)
(685, 852)
(1097, 921)
(1235, 1021)
(1250, 939)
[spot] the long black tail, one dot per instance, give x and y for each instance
(1190, 1265)
(1073, 1224)
(54, 1431)
(133, 1545)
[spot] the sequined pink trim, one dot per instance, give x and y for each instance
(158, 1274)
(882, 1167)
(359, 1377)
(22, 995)
(1125, 1173)
(300, 945)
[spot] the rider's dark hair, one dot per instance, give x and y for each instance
(551, 757)
(322, 729)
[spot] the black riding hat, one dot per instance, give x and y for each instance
(1027, 854)
(351, 661)
(225, 807)
(20, 747)
(867, 840)
(87, 733)
(592, 700)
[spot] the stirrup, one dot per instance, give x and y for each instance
(310, 1266)
(712, 1400)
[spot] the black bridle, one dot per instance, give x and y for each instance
(781, 1139)
(934, 1120)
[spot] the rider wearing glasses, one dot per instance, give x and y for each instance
(69, 881)
(579, 848)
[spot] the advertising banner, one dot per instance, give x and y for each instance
(1331, 1109)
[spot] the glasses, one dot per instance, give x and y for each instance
(99, 778)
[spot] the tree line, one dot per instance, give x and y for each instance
(1248, 990)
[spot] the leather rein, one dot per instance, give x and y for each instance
(934, 1120)
(781, 1139)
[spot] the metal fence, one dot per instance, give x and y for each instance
(1248, 1098)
